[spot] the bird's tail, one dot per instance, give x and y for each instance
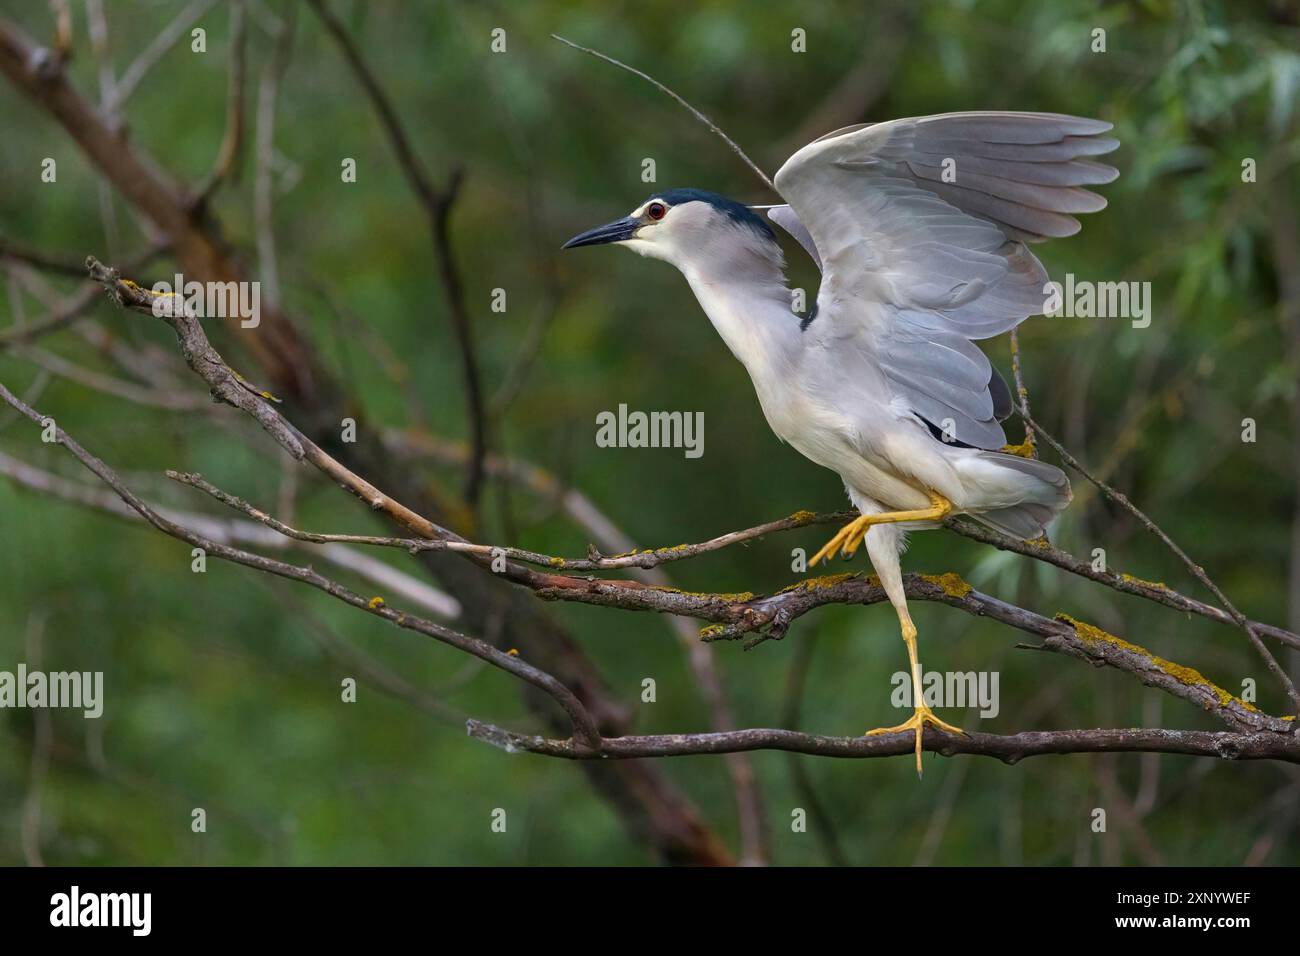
(1034, 493)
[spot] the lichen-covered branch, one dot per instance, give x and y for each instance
(1197, 571)
(1010, 749)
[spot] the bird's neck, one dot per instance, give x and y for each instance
(749, 304)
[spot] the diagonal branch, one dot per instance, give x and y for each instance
(584, 726)
(65, 313)
(1158, 592)
(1198, 572)
(156, 50)
(387, 578)
(232, 142)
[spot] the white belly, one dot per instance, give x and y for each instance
(830, 403)
(823, 434)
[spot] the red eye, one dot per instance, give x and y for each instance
(656, 211)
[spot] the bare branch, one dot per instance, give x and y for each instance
(268, 94)
(156, 50)
(42, 260)
(1022, 394)
(110, 385)
(384, 577)
(1042, 550)
(232, 142)
(62, 314)
(1009, 749)
(42, 744)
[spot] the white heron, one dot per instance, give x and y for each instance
(919, 227)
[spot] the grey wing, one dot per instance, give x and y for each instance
(920, 226)
(785, 217)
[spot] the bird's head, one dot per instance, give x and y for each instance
(689, 228)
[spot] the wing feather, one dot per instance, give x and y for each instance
(920, 225)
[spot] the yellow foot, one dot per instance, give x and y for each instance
(849, 538)
(920, 717)
(857, 528)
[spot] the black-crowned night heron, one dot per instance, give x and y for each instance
(919, 227)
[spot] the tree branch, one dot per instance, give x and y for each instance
(385, 577)
(1010, 749)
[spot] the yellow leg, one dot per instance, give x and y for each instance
(849, 538)
(921, 713)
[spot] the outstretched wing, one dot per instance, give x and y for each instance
(920, 227)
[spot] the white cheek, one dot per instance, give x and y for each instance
(645, 247)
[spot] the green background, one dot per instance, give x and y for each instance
(221, 690)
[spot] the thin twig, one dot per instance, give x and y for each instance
(731, 143)
(155, 51)
(437, 204)
(42, 260)
(268, 94)
(64, 313)
(1155, 591)
(227, 164)
(62, 27)
(111, 385)
(42, 744)
(384, 577)
(1022, 393)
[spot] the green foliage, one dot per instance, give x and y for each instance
(221, 691)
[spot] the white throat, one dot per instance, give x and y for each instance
(748, 303)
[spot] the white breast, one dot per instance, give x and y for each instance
(801, 385)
